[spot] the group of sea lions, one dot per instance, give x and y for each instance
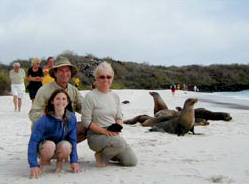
(179, 121)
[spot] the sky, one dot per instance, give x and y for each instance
(157, 32)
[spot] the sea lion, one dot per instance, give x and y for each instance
(140, 119)
(154, 120)
(160, 107)
(159, 104)
(205, 114)
(179, 125)
(210, 115)
(146, 120)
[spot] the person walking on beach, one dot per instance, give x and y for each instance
(173, 89)
(17, 76)
(47, 78)
(54, 136)
(35, 77)
(101, 109)
(62, 72)
(196, 89)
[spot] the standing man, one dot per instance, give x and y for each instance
(17, 76)
(62, 72)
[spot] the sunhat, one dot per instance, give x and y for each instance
(63, 61)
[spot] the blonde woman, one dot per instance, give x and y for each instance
(35, 77)
(101, 109)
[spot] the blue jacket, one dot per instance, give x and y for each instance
(54, 129)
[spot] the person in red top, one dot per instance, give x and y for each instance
(173, 89)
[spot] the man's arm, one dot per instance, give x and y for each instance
(38, 106)
(78, 102)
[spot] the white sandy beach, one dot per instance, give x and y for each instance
(220, 155)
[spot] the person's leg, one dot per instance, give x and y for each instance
(127, 157)
(15, 100)
(115, 145)
(14, 93)
(21, 91)
(19, 104)
(63, 151)
(106, 147)
(47, 151)
(99, 160)
(32, 94)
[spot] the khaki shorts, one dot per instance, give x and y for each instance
(58, 145)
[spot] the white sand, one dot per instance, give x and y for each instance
(219, 155)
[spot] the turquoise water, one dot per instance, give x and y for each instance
(238, 95)
(240, 98)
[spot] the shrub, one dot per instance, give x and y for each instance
(4, 83)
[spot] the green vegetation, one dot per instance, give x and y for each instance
(131, 75)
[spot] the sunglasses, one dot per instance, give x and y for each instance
(105, 77)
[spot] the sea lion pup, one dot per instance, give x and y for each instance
(160, 107)
(210, 115)
(179, 125)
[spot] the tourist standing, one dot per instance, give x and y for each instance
(17, 76)
(35, 77)
(47, 78)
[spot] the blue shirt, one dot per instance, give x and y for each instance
(56, 130)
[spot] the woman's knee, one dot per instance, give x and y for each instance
(64, 149)
(118, 142)
(47, 149)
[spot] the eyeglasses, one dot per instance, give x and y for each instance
(105, 77)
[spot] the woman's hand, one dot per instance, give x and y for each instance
(76, 167)
(96, 128)
(110, 133)
(35, 172)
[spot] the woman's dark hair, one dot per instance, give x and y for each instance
(49, 109)
(50, 57)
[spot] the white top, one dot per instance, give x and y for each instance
(17, 77)
(101, 108)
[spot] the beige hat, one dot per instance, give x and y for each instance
(63, 61)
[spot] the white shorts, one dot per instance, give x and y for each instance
(17, 90)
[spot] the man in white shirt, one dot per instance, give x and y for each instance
(17, 76)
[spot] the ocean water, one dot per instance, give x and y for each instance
(237, 95)
(240, 98)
